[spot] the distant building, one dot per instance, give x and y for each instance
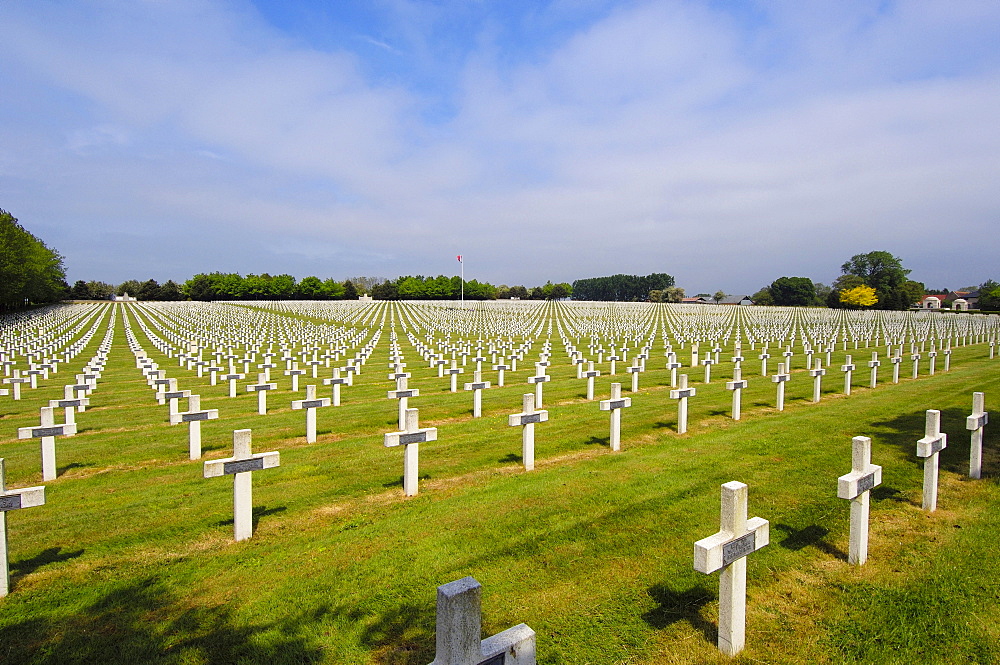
(736, 300)
(125, 297)
(930, 302)
(970, 297)
(696, 300)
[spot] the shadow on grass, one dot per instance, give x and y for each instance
(69, 467)
(399, 482)
(905, 430)
(510, 458)
(141, 623)
(673, 606)
(50, 555)
(258, 512)
(598, 441)
(797, 539)
(401, 636)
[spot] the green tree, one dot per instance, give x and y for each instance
(913, 292)
(30, 272)
(350, 292)
(100, 290)
(793, 291)
(881, 271)
(672, 294)
(989, 296)
(170, 291)
(148, 290)
(763, 297)
(129, 286)
(718, 296)
(841, 284)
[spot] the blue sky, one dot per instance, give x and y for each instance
(725, 143)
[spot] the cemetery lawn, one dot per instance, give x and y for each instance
(132, 558)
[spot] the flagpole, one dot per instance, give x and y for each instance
(462, 263)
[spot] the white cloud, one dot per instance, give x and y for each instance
(725, 149)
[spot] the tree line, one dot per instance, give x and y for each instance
(875, 280)
(31, 273)
(622, 288)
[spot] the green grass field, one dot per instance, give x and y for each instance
(132, 558)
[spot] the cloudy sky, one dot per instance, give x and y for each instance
(725, 143)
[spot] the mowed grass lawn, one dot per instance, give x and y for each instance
(132, 560)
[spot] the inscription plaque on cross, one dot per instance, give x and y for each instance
(232, 378)
(615, 405)
(26, 497)
(855, 486)
(929, 447)
(527, 420)
(410, 438)
(240, 466)
(458, 631)
(726, 551)
(975, 423)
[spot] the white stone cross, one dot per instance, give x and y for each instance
(527, 419)
(764, 355)
(934, 442)
(538, 379)
(615, 405)
(932, 354)
(261, 388)
(896, 360)
(193, 417)
(47, 432)
(232, 378)
(708, 362)
(453, 373)
(682, 393)
(70, 403)
(635, 370)
(780, 379)
(15, 383)
(726, 550)
(500, 368)
(403, 394)
(673, 366)
(874, 363)
(172, 396)
(295, 373)
(848, 369)
(410, 438)
(310, 404)
(737, 385)
(336, 381)
(590, 375)
(458, 631)
(240, 466)
(979, 418)
(855, 487)
(477, 387)
(916, 364)
(26, 497)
